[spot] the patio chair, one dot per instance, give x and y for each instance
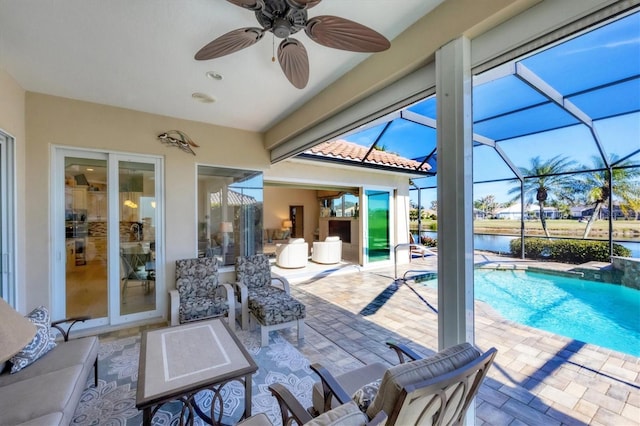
(133, 264)
(271, 307)
(348, 414)
(434, 390)
(418, 249)
(199, 295)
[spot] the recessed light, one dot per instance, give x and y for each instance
(89, 169)
(203, 97)
(214, 75)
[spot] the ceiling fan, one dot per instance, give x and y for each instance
(286, 17)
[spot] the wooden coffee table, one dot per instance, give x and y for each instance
(178, 362)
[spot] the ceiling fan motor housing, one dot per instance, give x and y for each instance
(280, 18)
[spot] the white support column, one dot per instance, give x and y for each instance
(455, 194)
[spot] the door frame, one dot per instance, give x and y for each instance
(8, 228)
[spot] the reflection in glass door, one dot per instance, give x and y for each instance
(137, 236)
(378, 247)
(85, 234)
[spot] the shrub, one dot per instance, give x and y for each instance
(429, 242)
(570, 251)
(433, 226)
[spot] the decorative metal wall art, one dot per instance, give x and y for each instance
(179, 139)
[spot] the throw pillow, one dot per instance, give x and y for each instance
(365, 394)
(41, 343)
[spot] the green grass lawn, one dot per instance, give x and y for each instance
(557, 227)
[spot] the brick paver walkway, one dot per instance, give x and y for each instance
(538, 378)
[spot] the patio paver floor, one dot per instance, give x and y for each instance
(538, 378)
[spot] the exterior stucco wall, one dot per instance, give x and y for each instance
(53, 121)
(318, 174)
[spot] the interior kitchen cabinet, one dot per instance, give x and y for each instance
(75, 198)
(97, 206)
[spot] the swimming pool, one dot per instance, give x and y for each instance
(606, 315)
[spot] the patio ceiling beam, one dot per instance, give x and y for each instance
(483, 140)
(373, 123)
(428, 157)
(418, 118)
(502, 71)
(625, 158)
(373, 145)
(516, 170)
(535, 82)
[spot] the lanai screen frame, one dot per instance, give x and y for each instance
(559, 110)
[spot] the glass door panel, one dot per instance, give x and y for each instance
(378, 247)
(137, 236)
(85, 237)
(7, 219)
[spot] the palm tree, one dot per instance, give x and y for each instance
(624, 184)
(486, 204)
(543, 178)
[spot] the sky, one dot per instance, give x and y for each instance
(598, 72)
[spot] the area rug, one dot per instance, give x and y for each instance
(113, 401)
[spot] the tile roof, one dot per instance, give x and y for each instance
(351, 151)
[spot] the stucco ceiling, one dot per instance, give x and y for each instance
(140, 55)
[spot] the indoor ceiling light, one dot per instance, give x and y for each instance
(203, 97)
(214, 75)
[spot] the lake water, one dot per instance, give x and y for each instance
(500, 243)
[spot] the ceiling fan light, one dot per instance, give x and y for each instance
(214, 75)
(203, 97)
(281, 28)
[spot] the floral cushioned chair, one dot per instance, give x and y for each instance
(272, 307)
(198, 293)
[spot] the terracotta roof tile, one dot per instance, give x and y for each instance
(352, 151)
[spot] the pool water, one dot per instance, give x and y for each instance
(606, 315)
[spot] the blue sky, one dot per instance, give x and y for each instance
(598, 72)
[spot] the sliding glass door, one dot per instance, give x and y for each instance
(7, 223)
(105, 218)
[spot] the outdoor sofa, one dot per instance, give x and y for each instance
(47, 391)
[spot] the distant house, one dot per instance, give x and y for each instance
(532, 211)
(579, 212)
(513, 212)
(479, 214)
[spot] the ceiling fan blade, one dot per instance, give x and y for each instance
(340, 33)
(248, 4)
(301, 4)
(294, 62)
(230, 42)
